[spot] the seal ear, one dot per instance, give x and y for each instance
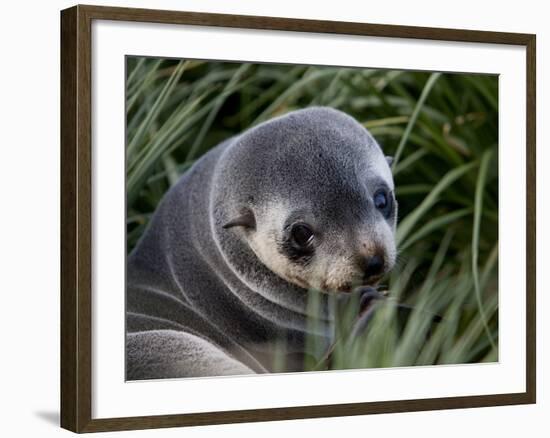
(389, 160)
(246, 219)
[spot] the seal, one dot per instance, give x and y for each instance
(220, 277)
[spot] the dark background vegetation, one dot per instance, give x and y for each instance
(442, 130)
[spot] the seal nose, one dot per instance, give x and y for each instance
(373, 266)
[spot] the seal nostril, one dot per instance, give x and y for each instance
(374, 266)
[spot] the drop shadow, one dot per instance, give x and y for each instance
(51, 417)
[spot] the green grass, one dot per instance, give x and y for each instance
(443, 132)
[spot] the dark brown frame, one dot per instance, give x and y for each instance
(76, 238)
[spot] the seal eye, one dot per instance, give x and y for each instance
(301, 236)
(382, 202)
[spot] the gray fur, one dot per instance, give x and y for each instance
(209, 291)
(161, 354)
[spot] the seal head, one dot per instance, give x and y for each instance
(312, 195)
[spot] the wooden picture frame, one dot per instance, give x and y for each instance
(76, 217)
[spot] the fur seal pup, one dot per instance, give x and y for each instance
(221, 275)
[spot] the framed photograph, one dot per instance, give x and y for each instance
(268, 218)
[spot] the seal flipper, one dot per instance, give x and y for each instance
(164, 354)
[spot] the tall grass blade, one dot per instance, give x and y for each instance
(408, 223)
(157, 106)
(425, 92)
(482, 175)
